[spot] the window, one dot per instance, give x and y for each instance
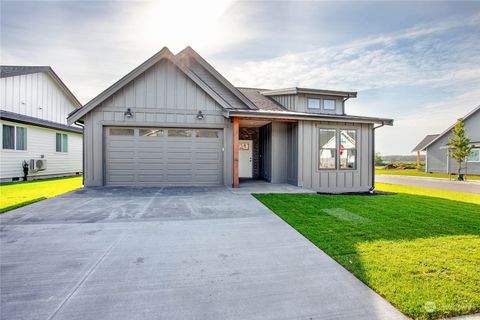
(207, 134)
(313, 103)
(179, 133)
(14, 138)
(61, 142)
(151, 132)
(348, 149)
(328, 104)
(474, 155)
(327, 153)
(121, 132)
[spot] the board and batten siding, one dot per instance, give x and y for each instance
(298, 103)
(436, 160)
(41, 141)
(35, 95)
(333, 181)
(163, 97)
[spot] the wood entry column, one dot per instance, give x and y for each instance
(236, 181)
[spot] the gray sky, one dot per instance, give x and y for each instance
(416, 62)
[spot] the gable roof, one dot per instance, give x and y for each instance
(188, 52)
(12, 71)
(426, 140)
(468, 115)
(262, 102)
(165, 53)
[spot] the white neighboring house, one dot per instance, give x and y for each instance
(34, 105)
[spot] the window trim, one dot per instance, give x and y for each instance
(62, 139)
(356, 149)
(334, 104)
(474, 161)
(319, 149)
(319, 103)
(15, 138)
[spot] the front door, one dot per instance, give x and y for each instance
(245, 158)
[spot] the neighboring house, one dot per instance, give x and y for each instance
(421, 145)
(34, 104)
(438, 159)
(175, 120)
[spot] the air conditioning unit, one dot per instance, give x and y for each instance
(38, 164)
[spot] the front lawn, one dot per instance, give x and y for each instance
(416, 173)
(420, 252)
(15, 195)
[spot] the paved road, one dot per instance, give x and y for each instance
(433, 183)
(180, 253)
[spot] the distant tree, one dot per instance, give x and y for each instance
(460, 145)
(378, 159)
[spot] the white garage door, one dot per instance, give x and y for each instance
(163, 156)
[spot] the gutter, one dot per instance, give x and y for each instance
(372, 189)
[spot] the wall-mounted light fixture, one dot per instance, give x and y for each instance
(200, 115)
(128, 113)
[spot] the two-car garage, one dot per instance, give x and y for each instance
(163, 156)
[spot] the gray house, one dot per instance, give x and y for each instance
(176, 121)
(438, 159)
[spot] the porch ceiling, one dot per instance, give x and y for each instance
(247, 123)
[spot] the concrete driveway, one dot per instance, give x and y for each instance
(174, 253)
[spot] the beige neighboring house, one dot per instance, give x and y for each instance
(176, 121)
(34, 104)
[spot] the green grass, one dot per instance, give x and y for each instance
(419, 251)
(15, 195)
(416, 173)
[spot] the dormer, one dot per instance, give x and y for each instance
(311, 100)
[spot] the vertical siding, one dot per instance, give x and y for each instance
(299, 103)
(292, 153)
(334, 181)
(163, 96)
(41, 141)
(279, 152)
(437, 153)
(35, 95)
(265, 147)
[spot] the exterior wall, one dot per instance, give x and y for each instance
(333, 181)
(163, 96)
(292, 153)
(436, 159)
(279, 152)
(41, 141)
(35, 95)
(265, 148)
(299, 103)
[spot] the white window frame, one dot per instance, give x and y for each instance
(470, 161)
(334, 105)
(319, 103)
(15, 137)
(335, 152)
(62, 137)
(356, 148)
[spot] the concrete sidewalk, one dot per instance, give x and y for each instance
(432, 183)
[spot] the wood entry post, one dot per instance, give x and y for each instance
(236, 181)
(418, 159)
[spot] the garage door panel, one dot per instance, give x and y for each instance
(164, 160)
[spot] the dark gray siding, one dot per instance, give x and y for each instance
(292, 153)
(334, 181)
(163, 96)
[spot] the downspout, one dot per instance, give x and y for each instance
(83, 151)
(373, 157)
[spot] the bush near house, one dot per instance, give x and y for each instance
(420, 250)
(19, 194)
